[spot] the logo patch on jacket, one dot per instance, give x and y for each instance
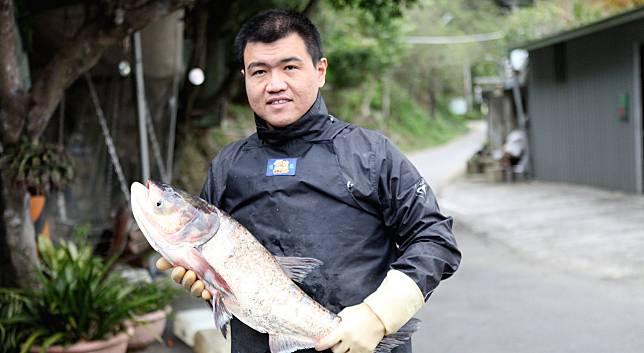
(281, 166)
(421, 188)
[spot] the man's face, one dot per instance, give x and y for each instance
(281, 81)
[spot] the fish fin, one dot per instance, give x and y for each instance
(289, 343)
(297, 268)
(212, 277)
(401, 336)
(220, 313)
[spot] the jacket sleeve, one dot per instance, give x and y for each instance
(423, 235)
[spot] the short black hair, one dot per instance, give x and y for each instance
(272, 25)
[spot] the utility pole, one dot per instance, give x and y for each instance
(141, 108)
(467, 82)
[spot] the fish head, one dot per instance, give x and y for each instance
(170, 217)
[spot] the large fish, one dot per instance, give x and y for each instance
(244, 279)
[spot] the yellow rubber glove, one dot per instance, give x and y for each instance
(396, 300)
(382, 313)
(360, 331)
(188, 279)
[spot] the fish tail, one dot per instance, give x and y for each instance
(401, 336)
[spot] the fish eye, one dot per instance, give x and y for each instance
(159, 203)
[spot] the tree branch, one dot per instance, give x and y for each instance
(82, 52)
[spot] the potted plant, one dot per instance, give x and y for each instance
(37, 168)
(149, 320)
(77, 304)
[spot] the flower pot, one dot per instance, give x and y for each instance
(36, 208)
(114, 344)
(147, 328)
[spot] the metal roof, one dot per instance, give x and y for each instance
(609, 22)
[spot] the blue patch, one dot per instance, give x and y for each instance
(281, 166)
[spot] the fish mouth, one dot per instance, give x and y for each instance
(151, 182)
(138, 195)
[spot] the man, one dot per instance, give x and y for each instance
(307, 184)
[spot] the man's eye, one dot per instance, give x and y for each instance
(290, 67)
(259, 73)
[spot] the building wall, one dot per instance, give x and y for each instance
(575, 133)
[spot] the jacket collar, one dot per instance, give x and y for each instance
(311, 125)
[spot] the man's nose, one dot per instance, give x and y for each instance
(276, 84)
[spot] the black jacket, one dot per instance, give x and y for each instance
(354, 202)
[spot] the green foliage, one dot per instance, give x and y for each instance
(12, 330)
(39, 167)
(549, 17)
(434, 73)
(408, 124)
(160, 294)
(358, 44)
(535, 22)
(617, 5)
(76, 298)
(412, 128)
(381, 10)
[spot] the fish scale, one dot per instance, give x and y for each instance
(272, 302)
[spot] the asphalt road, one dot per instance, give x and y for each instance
(500, 302)
(440, 164)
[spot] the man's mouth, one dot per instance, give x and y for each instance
(278, 101)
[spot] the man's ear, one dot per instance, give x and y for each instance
(242, 72)
(321, 68)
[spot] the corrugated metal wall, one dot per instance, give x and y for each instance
(575, 133)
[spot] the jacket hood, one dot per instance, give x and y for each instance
(309, 126)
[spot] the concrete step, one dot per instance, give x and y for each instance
(211, 341)
(188, 322)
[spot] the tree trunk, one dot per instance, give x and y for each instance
(17, 245)
(365, 105)
(8, 276)
(20, 239)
